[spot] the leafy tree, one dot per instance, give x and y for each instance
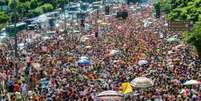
(33, 4)
(157, 8)
(3, 18)
(11, 4)
(184, 10)
(32, 8)
(60, 3)
(2, 2)
(37, 11)
(47, 7)
(22, 8)
(22, 1)
(199, 17)
(166, 6)
(194, 37)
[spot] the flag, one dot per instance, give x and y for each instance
(126, 88)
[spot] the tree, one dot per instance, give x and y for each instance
(157, 10)
(22, 8)
(47, 7)
(11, 4)
(23, 1)
(166, 6)
(33, 4)
(60, 3)
(31, 8)
(3, 18)
(37, 11)
(185, 10)
(194, 37)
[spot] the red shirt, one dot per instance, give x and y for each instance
(17, 87)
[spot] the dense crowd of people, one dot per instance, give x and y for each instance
(46, 68)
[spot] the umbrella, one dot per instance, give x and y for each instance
(84, 57)
(21, 45)
(147, 23)
(44, 83)
(142, 62)
(161, 35)
(114, 52)
(172, 40)
(104, 23)
(83, 62)
(192, 82)
(88, 47)
(69, 53)
(184, 91)
(109, 93)
(142, 82)
(84, 39)
(187, 92)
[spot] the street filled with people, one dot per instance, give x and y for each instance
(77, 66)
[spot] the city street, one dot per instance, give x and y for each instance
(101, 57)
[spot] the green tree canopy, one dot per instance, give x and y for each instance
(194, 37)
(33, 4)
(3, 17)
(31, 8)
(47, 7)
(182, 9)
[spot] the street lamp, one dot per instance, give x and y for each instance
(65, 16)
(15, 33)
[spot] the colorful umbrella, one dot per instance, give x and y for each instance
(84, 62)
(21, 45)
(142, 62)
(88, 47)
(109, 93)
(172, 40)
(114, 52)
(142, 82)
(192, 82)
(84, 39)
(84, 57)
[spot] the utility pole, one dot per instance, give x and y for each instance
(15, 33)
(65, 16)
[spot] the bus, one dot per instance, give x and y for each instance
(10, 29)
